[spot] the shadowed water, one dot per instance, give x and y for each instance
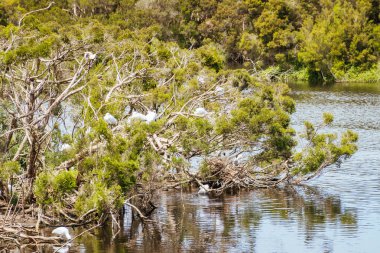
(337, 212)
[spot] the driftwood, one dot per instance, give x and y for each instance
(22, 227)
(20, 235)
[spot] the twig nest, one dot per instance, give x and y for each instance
(111, 120)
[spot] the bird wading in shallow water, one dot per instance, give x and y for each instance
(203, 189)
(62, 232)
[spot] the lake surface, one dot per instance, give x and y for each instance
(337, 212)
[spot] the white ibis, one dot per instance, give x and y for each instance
(111, 120)
(150, 116)
(203, 189)
(65, 147)
(89, 56)
(138, 116)
(200, 111)
(62, 232)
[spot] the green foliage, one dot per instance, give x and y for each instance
(324, 148)
(328, 38)
(99, 196)
(65, 182)
(328, 118)
(340, 38)
(9, 169)
(211, 57)
(54, 187)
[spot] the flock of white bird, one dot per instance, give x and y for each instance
(149, 117)
(63, 232)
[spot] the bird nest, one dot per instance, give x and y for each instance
(222, 174)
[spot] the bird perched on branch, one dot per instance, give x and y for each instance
(200, 111)
(111, 120)
(219, 90)
(89, 56)
(149, 117)
(62, 232)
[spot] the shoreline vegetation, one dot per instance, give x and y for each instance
(353, 76)
(105, 103)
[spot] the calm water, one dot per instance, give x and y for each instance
(337, 212)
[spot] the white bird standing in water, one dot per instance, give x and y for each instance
(111, 120)
(62, 232)
(203, 189)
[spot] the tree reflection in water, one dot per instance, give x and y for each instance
(232, 222)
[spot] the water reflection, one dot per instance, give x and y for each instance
(230, 223)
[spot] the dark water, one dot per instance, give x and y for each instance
(337, 212)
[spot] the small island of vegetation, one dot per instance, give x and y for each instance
(105, 103)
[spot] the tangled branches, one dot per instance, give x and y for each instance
(222, 174)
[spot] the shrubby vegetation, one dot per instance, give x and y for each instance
(63, 68)
(330, 40)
